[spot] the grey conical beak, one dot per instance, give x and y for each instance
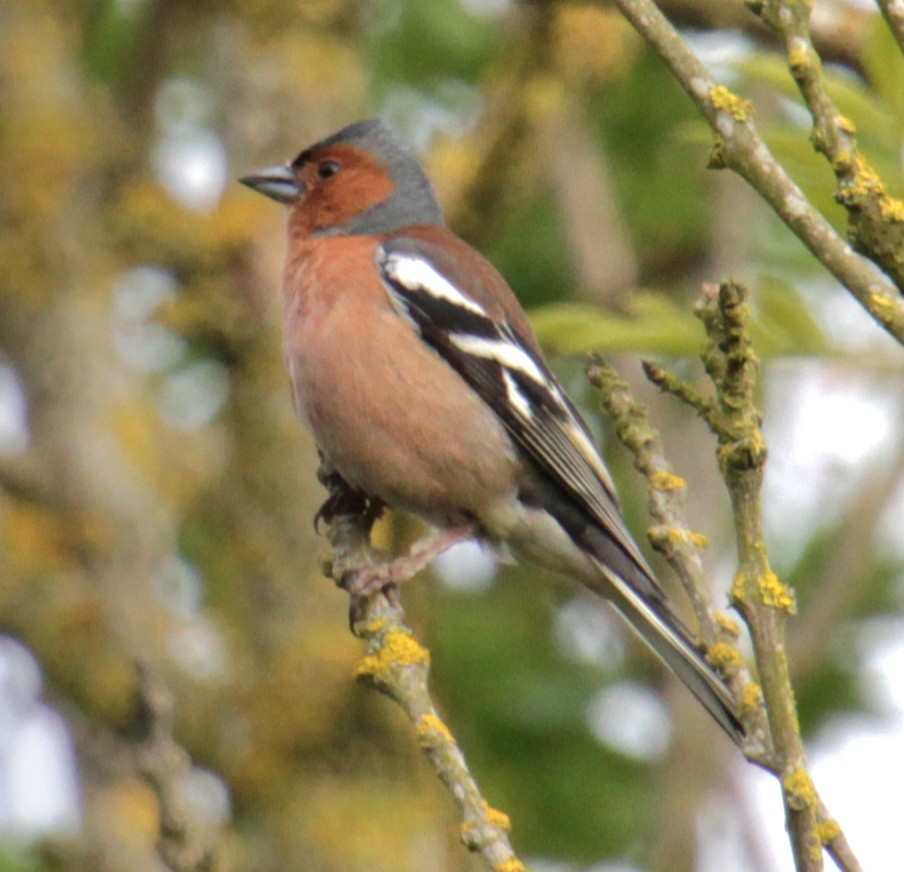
(277, 183)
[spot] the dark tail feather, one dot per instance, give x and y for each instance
(672, 643)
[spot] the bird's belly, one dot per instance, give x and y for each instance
(396, 421)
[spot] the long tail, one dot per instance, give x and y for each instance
(668, 638)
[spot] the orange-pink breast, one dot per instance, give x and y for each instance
(390, 414)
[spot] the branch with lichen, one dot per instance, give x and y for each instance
(875, 219)
(397, 665)
(186, 843)
(763, 600)
(739, 147)
(681, 546)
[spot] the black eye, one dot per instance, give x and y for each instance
(327, 168)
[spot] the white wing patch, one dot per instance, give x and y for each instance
(418, 274)
(506, 354)
(515, 396)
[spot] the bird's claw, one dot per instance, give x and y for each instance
(365, 583)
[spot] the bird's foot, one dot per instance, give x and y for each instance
(363, 582)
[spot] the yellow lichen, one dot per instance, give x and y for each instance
(398, 649)
(884, 307)
(431, 731)
(798, 57)
(496, 818)
(828, 830)
(892, 209)
(673, 535)
(739, 108)
(864, 181)
(512, 865)
(842, 160)
(373, 627)
(698, 540)
(799, 789)
(723, 654)
(739, 588)
(752, 697)
(667, 481)
(776, 594)
(846, 125)
(729, 625)
(757, 443)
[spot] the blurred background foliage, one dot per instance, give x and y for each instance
(156, 492)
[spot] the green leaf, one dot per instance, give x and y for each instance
(782, 325)
(656, 326)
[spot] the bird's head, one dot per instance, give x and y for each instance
(357, 182)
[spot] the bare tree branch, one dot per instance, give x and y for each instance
(397, 665)
(875, 219)
(763, 600)
(680, 546)
(739, 147)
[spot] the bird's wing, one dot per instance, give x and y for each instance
(512, 380)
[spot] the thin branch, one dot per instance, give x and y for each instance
(397, 665)
(761, 598)
(875, 219)
(893, 10)
(680, 546)
(739, 147)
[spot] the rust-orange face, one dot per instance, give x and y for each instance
(358, 181)
(326, 188)
(339, 184)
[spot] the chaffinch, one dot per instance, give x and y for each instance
(417, 371)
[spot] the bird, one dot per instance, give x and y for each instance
(416, 369)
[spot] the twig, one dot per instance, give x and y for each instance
(762, 599)
(875, 219)
(398, 666)
(739, 147)
(835, 841)
(893, 10)
(186, 842)
(764, 602)
(680, 546)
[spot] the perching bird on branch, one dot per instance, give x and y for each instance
(415, 367)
